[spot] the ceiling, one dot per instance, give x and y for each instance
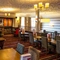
(25, 7)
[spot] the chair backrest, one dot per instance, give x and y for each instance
(58, 46)
(44, 42)
(57, 37)
(20, 48)
(43, 34)
(35, 54)
(38, 34)
(20, 34)
(31, 38)
(1, 34)
(54, 34)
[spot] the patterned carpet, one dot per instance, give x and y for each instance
(11, 42)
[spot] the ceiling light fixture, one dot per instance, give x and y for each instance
(7, 9)
(38, 8)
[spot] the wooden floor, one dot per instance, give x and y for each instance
(11, 42)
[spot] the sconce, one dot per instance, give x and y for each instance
(51, 24)
(7, 14)
(17, 19)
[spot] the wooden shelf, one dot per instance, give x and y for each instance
(6, 26)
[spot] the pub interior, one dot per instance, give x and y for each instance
(30, 30)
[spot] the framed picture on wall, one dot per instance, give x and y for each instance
(1, 22)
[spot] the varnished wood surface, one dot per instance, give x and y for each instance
(9, 54)
(2, 39)
(38, 37)
(53, 41)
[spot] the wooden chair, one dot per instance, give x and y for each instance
(35, 54)
(58, 48)
(32, 41)
(57, 37)
(47, 47)
(1, 34)
(54, 34)
(20, 48)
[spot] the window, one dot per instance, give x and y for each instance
(33, 23)
(22, 22)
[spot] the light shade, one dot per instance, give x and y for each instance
(46, 5)
(8, 14)
(5, 14)
(35, 6)
(40, 4)
(45, 20)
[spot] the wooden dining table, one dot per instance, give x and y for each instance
(52, 41)
(24, 35)
(9, 54)
(37, 38)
